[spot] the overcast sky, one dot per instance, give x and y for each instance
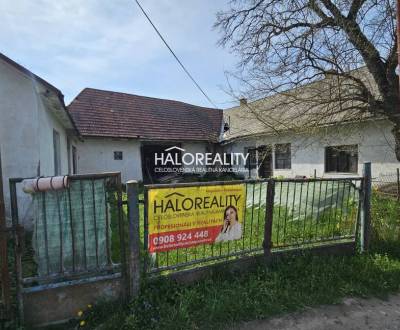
(106, 44)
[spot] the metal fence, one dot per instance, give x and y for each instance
(280, 214)
(388, 184)
(78, 232)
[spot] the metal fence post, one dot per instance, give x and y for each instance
(398, 184)
(132, 189)
(18, 243)
(5, 277)
(366, 208)
(269, 214)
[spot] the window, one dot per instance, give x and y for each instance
(341, 159)
(251, 161)
(69, 154)
(283, 156)
(57, 154)
(118, 155)
(74, 160)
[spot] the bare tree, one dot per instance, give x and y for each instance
(331, 60)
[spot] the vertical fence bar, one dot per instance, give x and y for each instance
(121, 230)
(5, 276)
(252, 215)
(71, 223)
(146, 232)
(108, 247)
(46, 245)
(132, 190)
(269, 214)
(366, 208)
(83, 224)
(398, 183)
(61, 233)
(17, 250)
(95, 223)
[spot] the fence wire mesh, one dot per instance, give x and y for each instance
(388, 184)
(305, 212)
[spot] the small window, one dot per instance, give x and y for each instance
(57, 153)
(251, 161)
(118, 155)
(74, 160)
(342, 159)
(283, 156)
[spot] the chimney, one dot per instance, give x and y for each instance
(243, 101)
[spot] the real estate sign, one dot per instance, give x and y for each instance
(181, 217)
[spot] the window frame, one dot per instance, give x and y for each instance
(57, 152)
(252, 159)
(329, 169)
(117, 153)
(288, 154)
(74, 152)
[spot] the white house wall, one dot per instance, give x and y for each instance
(97, 155)
(374, 139)
(26, 134)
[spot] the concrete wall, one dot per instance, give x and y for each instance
(26, 133)
(97, 155)
(56, 303)
(374, 139)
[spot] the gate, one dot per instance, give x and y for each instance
(74, 252)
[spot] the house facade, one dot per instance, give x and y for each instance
(37, 134)
(332, 151)
(124, 132)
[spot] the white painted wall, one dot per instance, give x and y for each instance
(26, 134)
(97, 155)
(374, 140)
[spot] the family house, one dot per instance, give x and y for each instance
(124, 132)
(299, 133)
(37, 134)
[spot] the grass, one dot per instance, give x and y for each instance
(292, 284)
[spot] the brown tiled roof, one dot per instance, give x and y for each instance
(99, 113)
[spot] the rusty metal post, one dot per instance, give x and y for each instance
(5, 275)
(121, 230)
(18, 248)
(132, 190)
(366, 208)
(269, 215)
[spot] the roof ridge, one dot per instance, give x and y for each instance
(147, 97)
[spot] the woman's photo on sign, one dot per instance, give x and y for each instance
(231, 228)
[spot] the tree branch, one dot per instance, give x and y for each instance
(354, 9)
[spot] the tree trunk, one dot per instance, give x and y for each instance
(396, 133)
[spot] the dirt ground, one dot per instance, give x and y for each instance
(351, 314)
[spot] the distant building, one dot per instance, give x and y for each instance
(286, 137)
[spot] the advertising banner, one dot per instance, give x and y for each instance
(182, 217)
